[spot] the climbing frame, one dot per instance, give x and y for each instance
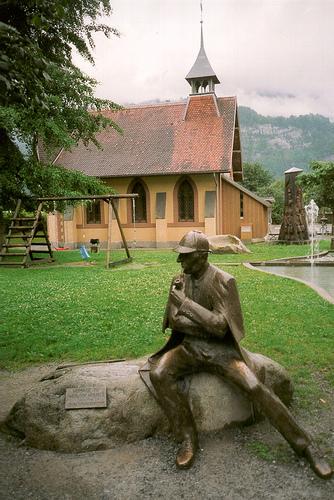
(26, 241)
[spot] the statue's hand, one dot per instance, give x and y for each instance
(177, 297)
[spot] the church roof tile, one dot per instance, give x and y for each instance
(161, 139)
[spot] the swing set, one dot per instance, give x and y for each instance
(27, 237)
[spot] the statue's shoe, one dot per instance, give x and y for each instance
(320, 466)
(186, 454)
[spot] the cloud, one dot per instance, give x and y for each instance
(274, 94)
(273, 54)
(286, 105)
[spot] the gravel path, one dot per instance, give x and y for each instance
(227, 466)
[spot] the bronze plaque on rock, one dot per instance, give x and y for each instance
(86, 397)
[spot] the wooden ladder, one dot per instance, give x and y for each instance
(27, 236)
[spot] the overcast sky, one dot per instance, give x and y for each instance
(276, 56)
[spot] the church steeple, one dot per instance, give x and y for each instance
(201, 77)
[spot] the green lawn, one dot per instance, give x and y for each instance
(59, 312)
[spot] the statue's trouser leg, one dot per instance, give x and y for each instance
(172, 366)
(268, 403)
(223, 360)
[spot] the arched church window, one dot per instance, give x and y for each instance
(140, 205)
(185, 199)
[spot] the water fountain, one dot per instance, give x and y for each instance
(312, 212)
(315, 269)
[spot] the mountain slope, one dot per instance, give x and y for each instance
(279, 143)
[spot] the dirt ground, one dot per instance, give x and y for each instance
(229, 464)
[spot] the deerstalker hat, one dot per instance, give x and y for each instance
(193, 241)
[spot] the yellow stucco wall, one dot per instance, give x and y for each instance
(168, 231)
(156, 232)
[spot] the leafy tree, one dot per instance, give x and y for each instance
(256, 177)
(275, 190)
(319, 185)
(44, 98)
(261, 182)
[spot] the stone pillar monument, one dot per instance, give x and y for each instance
(294, 225)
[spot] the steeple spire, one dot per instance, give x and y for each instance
(201, 6)
(202, 40)
(201, 77)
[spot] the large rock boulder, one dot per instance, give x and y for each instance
(227, 243)
(131, 413)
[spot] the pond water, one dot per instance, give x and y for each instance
(320, 276)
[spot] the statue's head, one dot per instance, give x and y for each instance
(193, 241)
(193, 252)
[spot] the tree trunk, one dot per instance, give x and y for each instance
(332, 235)
(2, 228)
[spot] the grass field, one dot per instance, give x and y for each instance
(66, 312)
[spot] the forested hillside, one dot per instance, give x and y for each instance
(279, 143)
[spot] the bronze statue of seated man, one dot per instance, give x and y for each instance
(204, 314)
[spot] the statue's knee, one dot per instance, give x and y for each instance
(247, 379)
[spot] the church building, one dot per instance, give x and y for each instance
(184, 161)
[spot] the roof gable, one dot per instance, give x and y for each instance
(238, 186)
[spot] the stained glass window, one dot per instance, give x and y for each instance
(140, 210)
(186, 202)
